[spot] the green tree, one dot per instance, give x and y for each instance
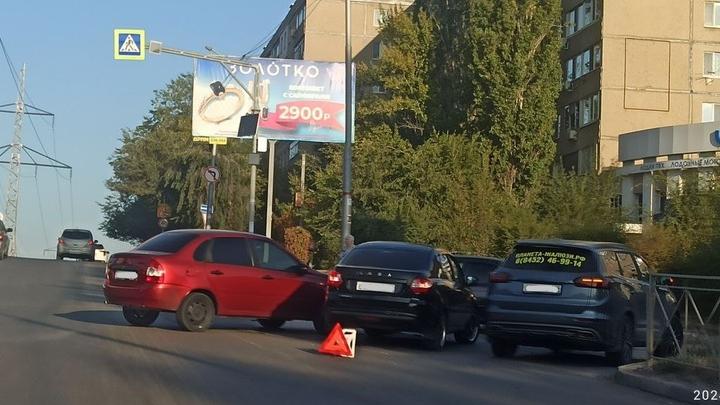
(515, 59)
(408, 40)
(159, 163)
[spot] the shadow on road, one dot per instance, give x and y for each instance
(98, 317)
(565, 358)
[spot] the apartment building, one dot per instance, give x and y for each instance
(634, 65)
(315, 30)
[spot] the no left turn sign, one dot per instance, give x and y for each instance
(212, 174)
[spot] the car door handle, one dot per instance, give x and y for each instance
(217, 273)
(267, 277)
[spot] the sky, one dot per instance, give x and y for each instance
(68, 49)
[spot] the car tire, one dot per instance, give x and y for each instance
(436, 337)
(503, 348)
(623, 354)
(667, 346)
(271, 324)
(58, 257)
(140, 317)
(323, 323)
(470, 334)
(196, 313)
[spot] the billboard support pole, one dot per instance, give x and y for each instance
(347, 151)
(271, 186)
(211, 192)
(158, 48)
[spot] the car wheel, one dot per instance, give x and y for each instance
(196, 313)
(503, 348)
(624, 353)
(58, 257)
(667, 346)
(323, 323)
(140, 317)
(470, 334)
(436, 337)
(271, 324)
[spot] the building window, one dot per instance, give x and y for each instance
(597, 57)
(571, 117)
(376, 50)
(300, 17)
(299, 49)
(712, 64)
(569, 70)
(583, 63)
(582, 16)
(712, 14)
(595, 114)
(710, 112)
(570, 23)
(379, 17)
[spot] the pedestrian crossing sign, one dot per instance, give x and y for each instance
(129, 44)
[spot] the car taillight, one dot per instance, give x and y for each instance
(592, 282)
(90, 243)
(154, 273)
(334, 279)
(61, 242)
(499, 277)
(421, 285)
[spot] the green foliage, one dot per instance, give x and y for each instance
(159, 163)
(408, 41)
(580, 206)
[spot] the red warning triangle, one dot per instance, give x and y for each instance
(335, 344)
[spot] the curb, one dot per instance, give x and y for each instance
(627, 375)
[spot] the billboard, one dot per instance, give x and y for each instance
(305, 99)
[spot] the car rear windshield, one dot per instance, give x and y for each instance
(75, 234)
(168, 242)
(388, 258)
(550, 258)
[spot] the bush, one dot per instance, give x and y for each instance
(299, 241)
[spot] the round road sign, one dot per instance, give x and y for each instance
(212, 174)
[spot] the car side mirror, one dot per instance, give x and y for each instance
(9, 230)
(471, 281)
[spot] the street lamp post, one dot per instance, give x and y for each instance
(347, 151)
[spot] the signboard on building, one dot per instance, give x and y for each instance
(671, 165)
(305, 100)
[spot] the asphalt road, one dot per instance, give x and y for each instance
(60, 344)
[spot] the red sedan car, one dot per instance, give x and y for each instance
(199, 274)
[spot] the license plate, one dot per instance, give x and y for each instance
(125, 275)
(541, 288)
(377, 287)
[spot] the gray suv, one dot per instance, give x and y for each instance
(565, 294)
(76, 243)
